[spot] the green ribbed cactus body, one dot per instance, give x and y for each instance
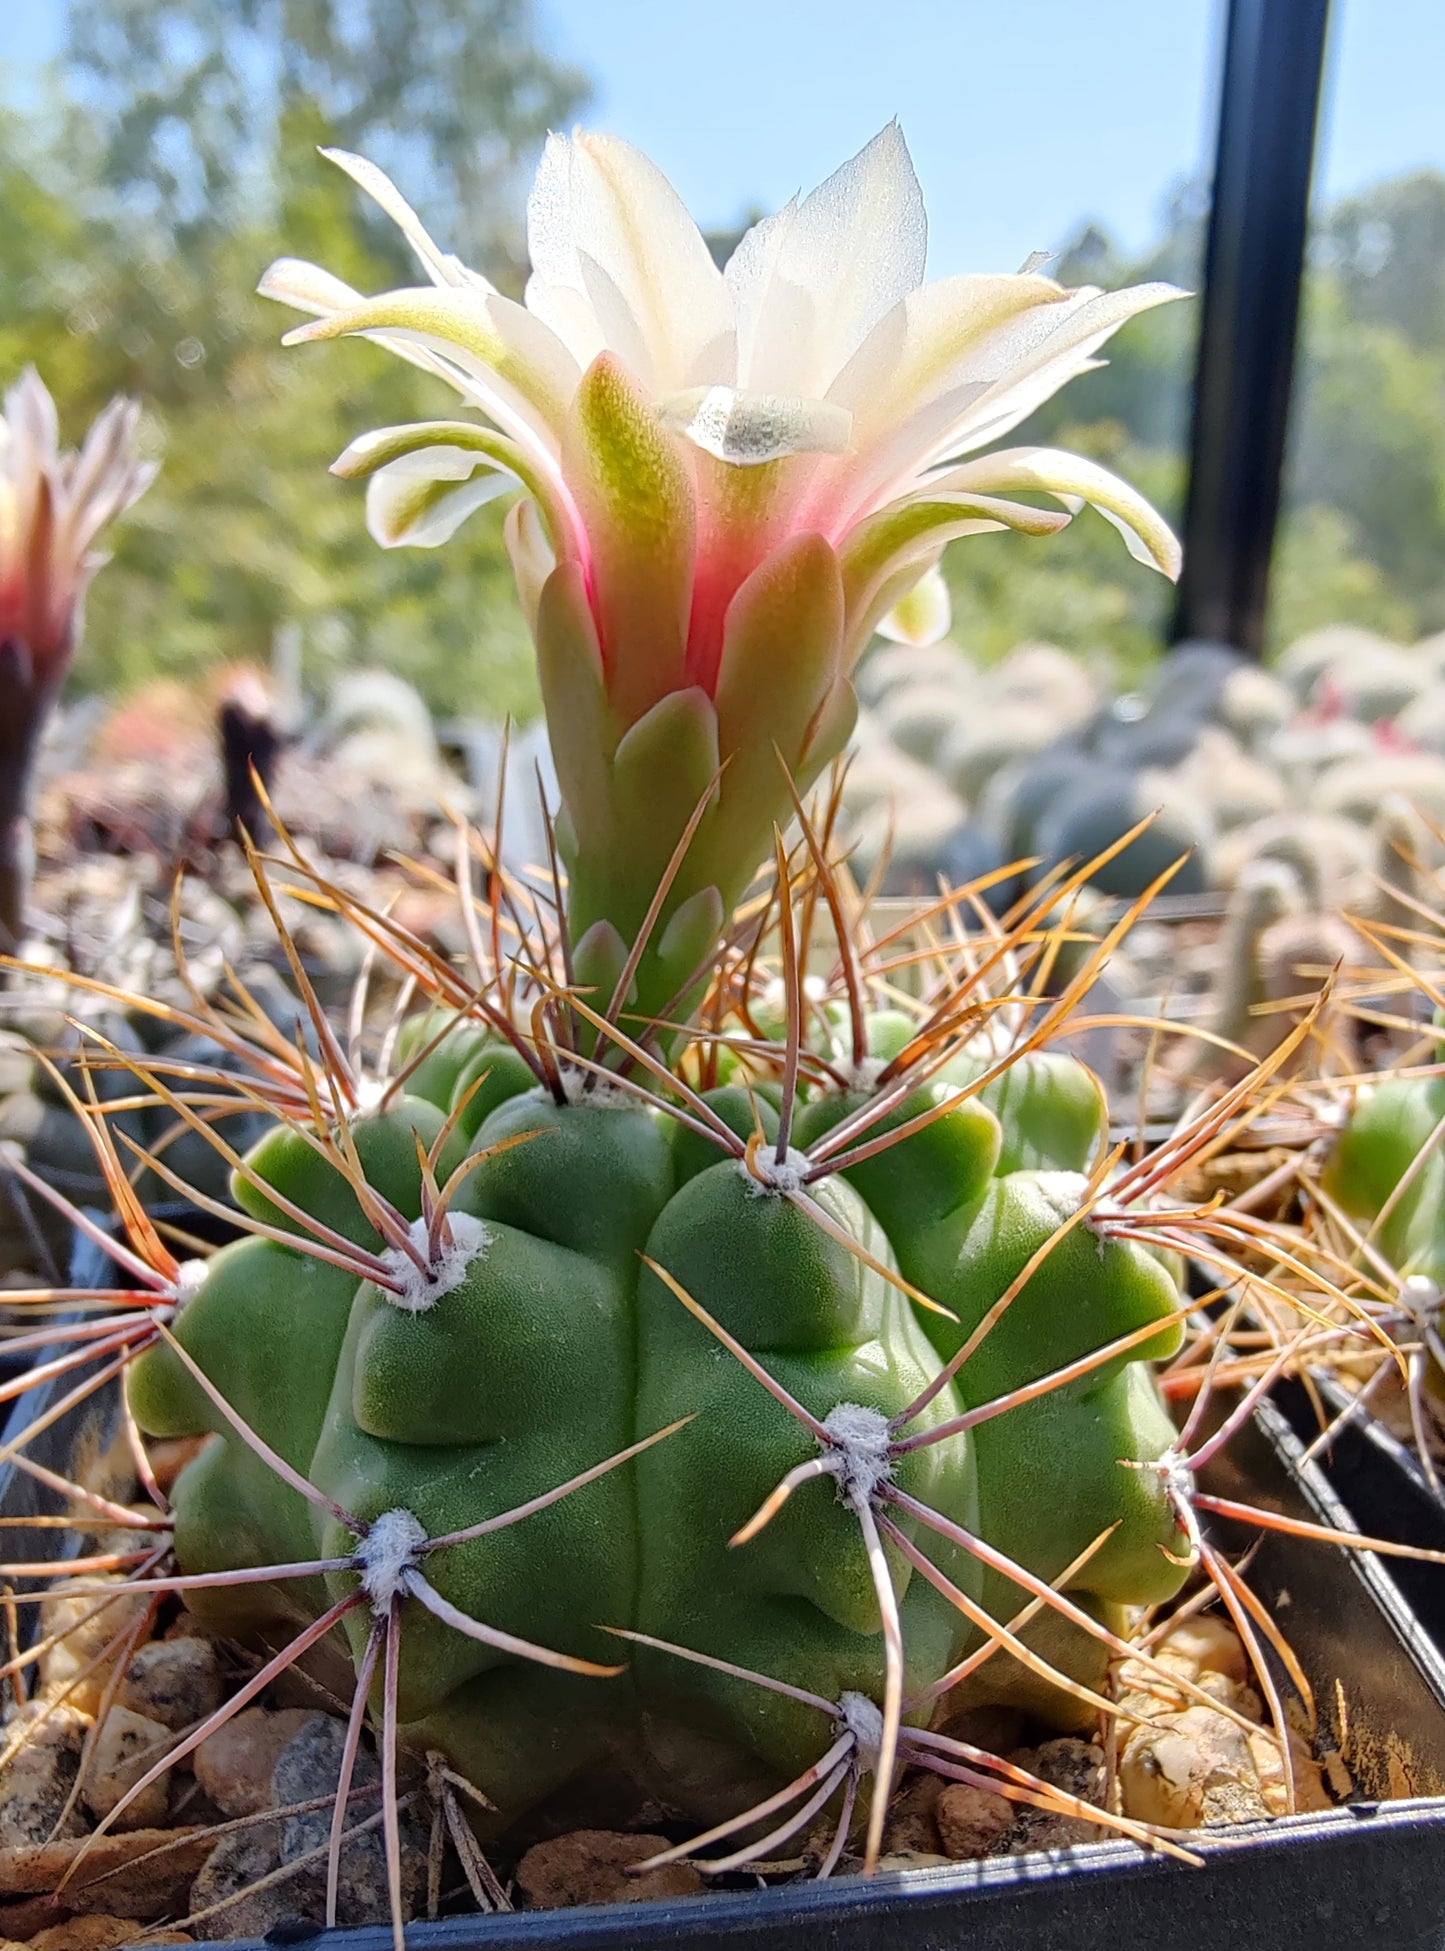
(1390, 1125)
(1052, 1472)
(557, 1345)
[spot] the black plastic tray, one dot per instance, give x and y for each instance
(1381, 1482)
(1373, 1869)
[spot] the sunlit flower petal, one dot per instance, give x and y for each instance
(884, 555)
(505, 360)
(440, 266)
(960, 364)
(422, 499)
(384, 445)
(1075, 482)
(634, 495)
(811, 285)
(604, 222)
(921, 617)
(307, 288)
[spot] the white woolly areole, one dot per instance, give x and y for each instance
(863, 1076)
(859, 1454)
(390, 1549)
(371, 1092)
(1420, 1297)
(189, 1280)
(1066, 1189)
(586, 1087)
(858, 1716)
(1177, 1475)
(416, 1290)
(763, 1174)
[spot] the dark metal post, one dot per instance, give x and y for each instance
(1273, 63)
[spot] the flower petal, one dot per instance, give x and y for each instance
(421, 500)
(912, 533)
(1042, 361)
(1072, 480)
(751, 428)
(581, 725)
(957, 365)
(440, 266)
(570, 314)
(598, 196)
(501, 358)
(384, 445)
(634, 495)
(307, 288)
(532, 560)
(780, 666)
(922, 616)
(810, 284)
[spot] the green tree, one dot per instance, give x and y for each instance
(107, 289)
(197, 98)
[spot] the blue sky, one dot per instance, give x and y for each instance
(1024, 116)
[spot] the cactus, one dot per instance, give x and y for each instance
(599, 1403)
(1384, 1168)
(481, 1288)
(1103, 806)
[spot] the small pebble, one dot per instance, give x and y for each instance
(42, 1759)
(233, 1868)
(174, 1681)
(235, 1764)
(589, 1866)
(912, 1826)
(127, 1746)
(93, 1629)
(1076, 1767)
(306, 1767)
(972, 1821)
(310, 1766)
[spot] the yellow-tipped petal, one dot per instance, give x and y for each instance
(502, 358)
(879, 552)
(386, 445)
(959, 364)
(922, 616)
(422, 499)
(1074, 480)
